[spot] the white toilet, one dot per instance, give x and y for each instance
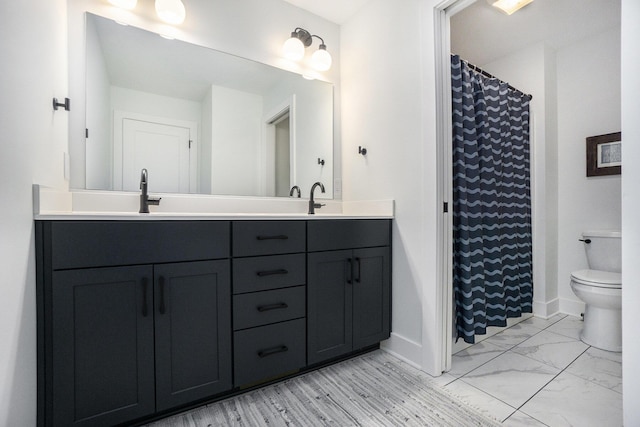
(600, 288)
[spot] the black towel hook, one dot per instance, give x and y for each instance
(66, 104)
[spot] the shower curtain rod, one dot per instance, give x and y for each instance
(484, 73)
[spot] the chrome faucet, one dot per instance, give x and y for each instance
(145, 200)
(313, 205)
(295, 188)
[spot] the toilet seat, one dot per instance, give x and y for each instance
(597, 278)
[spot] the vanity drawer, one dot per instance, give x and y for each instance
(327, 235)
(263, 308)
(268, 272)
(79, 244)
(268, 237)
(269, 351)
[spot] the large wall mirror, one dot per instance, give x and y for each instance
(200, 120)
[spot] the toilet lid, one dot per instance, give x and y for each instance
(604, 279)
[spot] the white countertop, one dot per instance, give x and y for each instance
(63, 205)
(182, 216)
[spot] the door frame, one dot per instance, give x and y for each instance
(118, 144)
(442, 16)
(267, 184)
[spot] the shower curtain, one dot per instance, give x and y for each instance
(492, 277)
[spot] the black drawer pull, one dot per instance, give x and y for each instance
(271, 351)
(278, 237)
(359, 270)
(275, 306)
(272, 272)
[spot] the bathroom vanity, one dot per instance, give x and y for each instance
(141, 317)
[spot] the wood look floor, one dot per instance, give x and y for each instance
(374, 389)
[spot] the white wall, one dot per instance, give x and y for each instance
(204, 149)
(388, 107)
(630, 209)
(588, 104)
(99, 146)
(236, 119)
(32, 141)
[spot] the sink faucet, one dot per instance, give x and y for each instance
(296, 189)
(145, 200)
(312, 204)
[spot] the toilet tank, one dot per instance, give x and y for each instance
(605, 250)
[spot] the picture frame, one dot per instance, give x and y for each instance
(604, 154)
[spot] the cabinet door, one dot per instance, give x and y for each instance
(193, 331)
(329, 309)
(102, 358)
(371, 296)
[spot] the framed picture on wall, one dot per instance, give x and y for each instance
(604, 154)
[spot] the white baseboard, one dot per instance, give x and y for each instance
(547, 309)
(404, 349)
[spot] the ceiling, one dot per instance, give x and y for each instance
(337, 11)
(481, 34)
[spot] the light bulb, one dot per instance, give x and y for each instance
(171, 11)
(321, 59)
(124, 4)
(293, 48)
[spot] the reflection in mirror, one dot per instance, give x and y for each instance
(199, 120)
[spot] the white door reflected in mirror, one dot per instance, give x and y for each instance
(166, 150)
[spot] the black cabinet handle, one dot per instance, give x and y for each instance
(145, 308)
(269, 307)
(162, 308)
(272, 272)
(350, 273)
(271, 351)
(278, 237)
(359, 272)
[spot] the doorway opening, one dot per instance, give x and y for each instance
(280, 150)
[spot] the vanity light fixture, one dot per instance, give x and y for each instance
(171, 11)
(509, 6)
(124, 4)
(300, 39)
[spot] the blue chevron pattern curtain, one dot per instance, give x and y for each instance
(492, 252)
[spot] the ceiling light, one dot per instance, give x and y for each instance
(509, 6)
(171, 11)
(293, 49)
(124, 4)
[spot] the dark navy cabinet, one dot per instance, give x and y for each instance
(269, 310)
(121, 342)
(138, 319)
(101, 370)
(349, 287)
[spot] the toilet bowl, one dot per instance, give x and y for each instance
(600, 288)
(601, 291)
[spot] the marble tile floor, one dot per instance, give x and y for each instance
(539, 373)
